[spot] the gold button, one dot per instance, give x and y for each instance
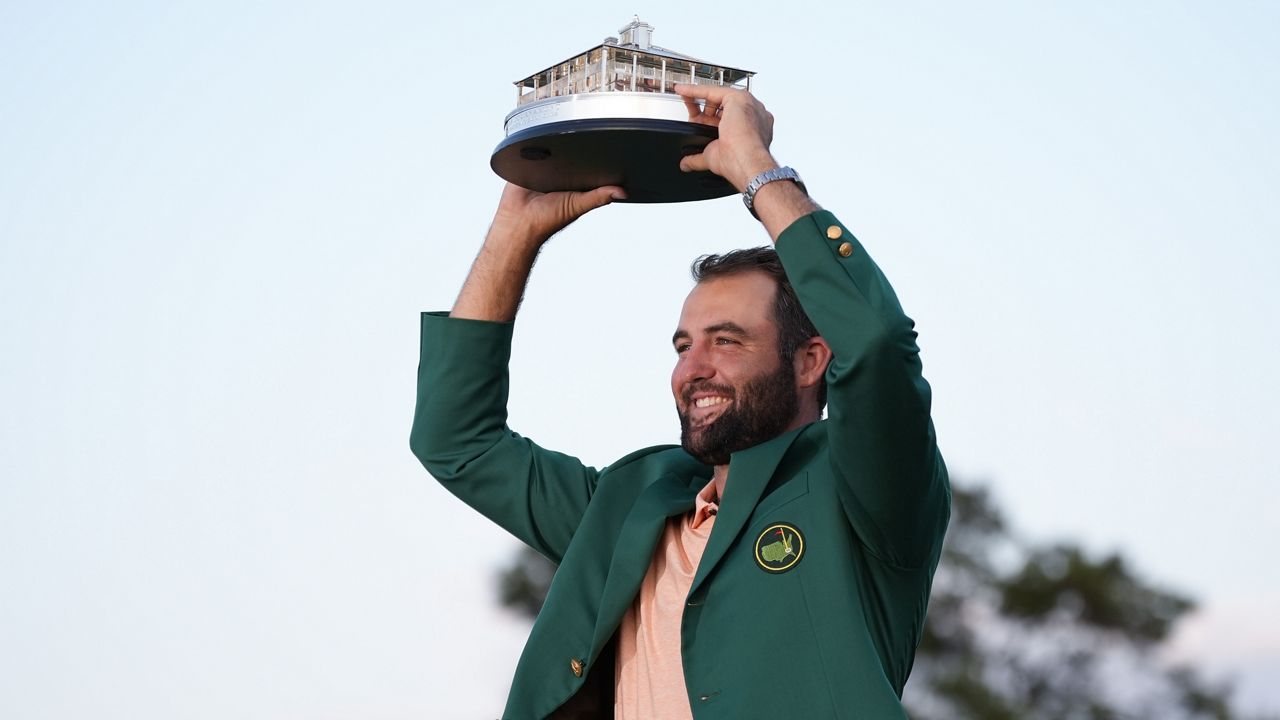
(576, 666)
(845, 249)
(834, 232)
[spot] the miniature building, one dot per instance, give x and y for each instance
(631, 64)
(610, 116)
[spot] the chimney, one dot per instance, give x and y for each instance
(638, 33)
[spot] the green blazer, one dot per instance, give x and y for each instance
(811, 594)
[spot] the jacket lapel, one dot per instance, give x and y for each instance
(749, 474)
(633, 552)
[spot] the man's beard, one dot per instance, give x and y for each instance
(761, 411)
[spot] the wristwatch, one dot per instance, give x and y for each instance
(766, 177)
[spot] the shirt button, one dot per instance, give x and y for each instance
(834, 232)
(845, 249)
(576, 666)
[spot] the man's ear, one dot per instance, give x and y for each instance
(812, 358)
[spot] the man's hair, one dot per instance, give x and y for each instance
(794, 326)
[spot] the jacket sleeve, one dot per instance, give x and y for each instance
(892, 480)
(461, 436)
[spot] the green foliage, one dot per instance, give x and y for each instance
(1017, 630)
(522, 586)
(1101, 593)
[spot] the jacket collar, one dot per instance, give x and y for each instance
(669, 495)
(749, 473)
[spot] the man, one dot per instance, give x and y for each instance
(776, 565)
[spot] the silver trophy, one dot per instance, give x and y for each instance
(610, 116)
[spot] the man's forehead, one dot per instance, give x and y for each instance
(743, 300)
(747, 290)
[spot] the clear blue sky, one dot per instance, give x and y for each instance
(218, 222)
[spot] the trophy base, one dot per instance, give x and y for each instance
(640, 154)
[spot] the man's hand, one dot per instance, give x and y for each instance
(525, 220)
(530, 218)
(746, 130)
(742, 151)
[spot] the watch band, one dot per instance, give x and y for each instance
(766, 177)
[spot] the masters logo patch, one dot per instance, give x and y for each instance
(779, 547)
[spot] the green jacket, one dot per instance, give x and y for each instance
(824, 625)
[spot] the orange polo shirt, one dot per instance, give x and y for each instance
(649, 679)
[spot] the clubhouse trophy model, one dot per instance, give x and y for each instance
(609, 116)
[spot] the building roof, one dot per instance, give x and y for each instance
(651, 49)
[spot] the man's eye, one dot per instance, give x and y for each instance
(726, 341)
(681, 347)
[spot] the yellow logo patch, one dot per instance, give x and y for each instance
(779, 548)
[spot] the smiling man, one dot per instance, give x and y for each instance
(736, 382)
(776, 564)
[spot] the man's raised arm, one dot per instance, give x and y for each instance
(882, 439)
(524, 221)
(460, 428)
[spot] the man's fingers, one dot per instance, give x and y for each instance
(713, 94)
(581, 203)
(695, 110)
(716, 100)
(695, 163)
(713, 97)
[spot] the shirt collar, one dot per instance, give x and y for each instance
(706, 505)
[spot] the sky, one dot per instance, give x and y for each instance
(219, 222)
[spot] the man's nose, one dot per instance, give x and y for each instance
(695, 364)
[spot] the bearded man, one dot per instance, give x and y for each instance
(776, 564)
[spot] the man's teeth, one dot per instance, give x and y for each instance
(709, 401)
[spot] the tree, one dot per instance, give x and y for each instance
(1020, 630)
